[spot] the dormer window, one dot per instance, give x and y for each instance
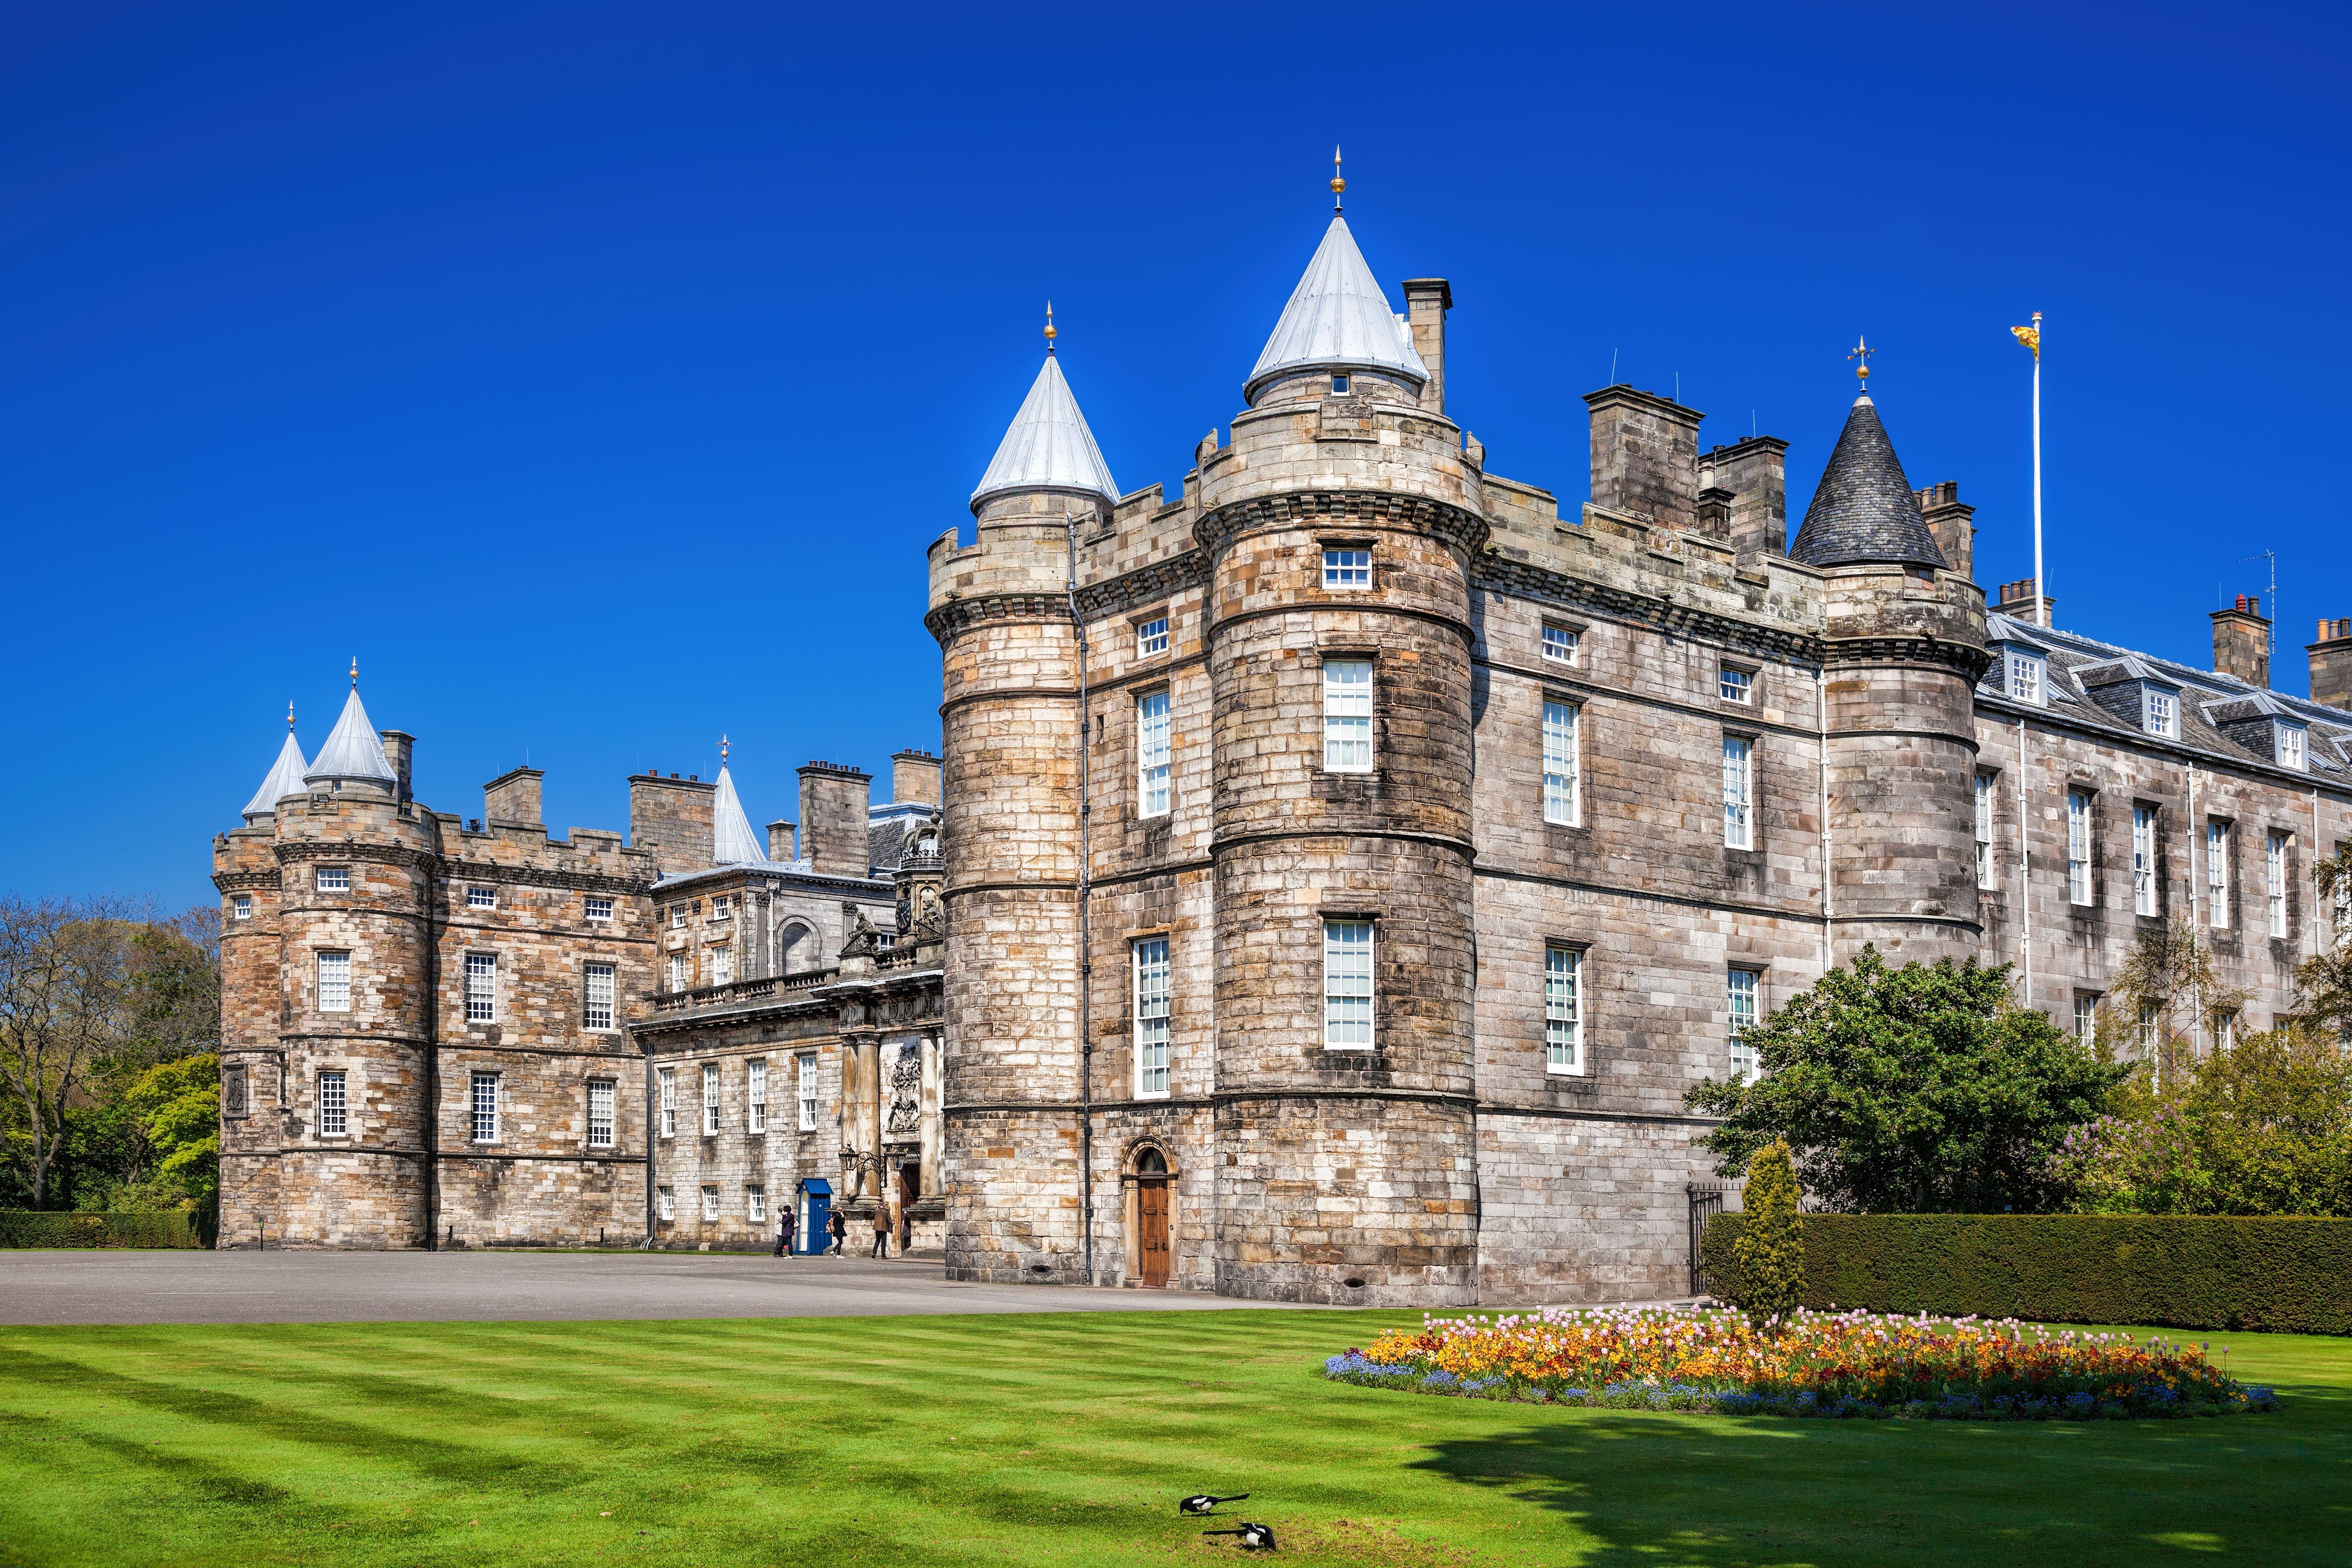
(1339, 383)
(2159, 712)
(2025, 676)
(2290, 750)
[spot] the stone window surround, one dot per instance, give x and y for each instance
(1753, 670)
(1167, 633)
(1582, 948)
(2156, 835)
(241, 907)
(2089, 792)
(1162, 689)
(588, 908)
(2217, 884)
(613, 1003)
(474, 1079)
(1575, 631)
(465, 988)
(1348, 540)
(1755, 743)
(611, 1111)
(1550, 697)
(1324, 916)
(342, 1069)
(1164, 935)
(1761, 969)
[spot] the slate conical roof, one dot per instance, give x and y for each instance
(732, 843)
(1866, 509)
(1337, 319)
(353, 750)
(284, 778)
(1048, 446)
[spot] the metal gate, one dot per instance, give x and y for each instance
(1706, 1201)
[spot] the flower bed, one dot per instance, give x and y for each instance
(1835, 1364)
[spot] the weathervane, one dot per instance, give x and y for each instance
(1339, 185)
(355, 679)
(290, 718)
(722, 750)
(1862, 350)
(1049, 326)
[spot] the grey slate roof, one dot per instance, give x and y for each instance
(2212, 705)
(1866, 509)
(284, 778)
(353, 751)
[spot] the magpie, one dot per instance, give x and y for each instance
(1205, 1504)
(1255, 1537)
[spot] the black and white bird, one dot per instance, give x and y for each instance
(1255, 1537)
(1205, 1504)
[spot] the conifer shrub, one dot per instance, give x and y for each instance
(1770, 1246)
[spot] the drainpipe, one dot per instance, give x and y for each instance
(653, 1110)
(1822, 710)
(432, 1119)
(1086, 933)
(2024, 871)
(2196, 836)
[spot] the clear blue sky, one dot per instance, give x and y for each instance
(597, 374)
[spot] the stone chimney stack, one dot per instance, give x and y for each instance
(915, 776)
(672, 817)
(1645, 456)
(1755, 472)
(834, 798)
(2016, 602)
(1426, 300)
(780, 841)
(400, 751)
(1948, 521)
(511, 799)
(2242, 642)
(2331, 664)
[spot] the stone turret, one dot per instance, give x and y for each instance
(1905, 647)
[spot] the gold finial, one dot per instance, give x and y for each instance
(1049, 326)
(356, 672)
(1339, 185)
(290, 718)
(722, 750)
(1862, 350)
(2030, 336)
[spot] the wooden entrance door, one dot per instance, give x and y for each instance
(1151, 1203)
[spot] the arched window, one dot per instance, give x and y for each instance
(1150, 1163)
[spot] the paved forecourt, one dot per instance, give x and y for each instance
(243, 1287)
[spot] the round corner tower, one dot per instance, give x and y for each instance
(1905, 647)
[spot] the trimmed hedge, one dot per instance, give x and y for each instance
(2284, 1276)
(70, 1228)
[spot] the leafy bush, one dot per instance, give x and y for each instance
(180, 1228)
(1770, 1246)
(2274, 1274)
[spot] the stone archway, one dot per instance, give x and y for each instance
(1147, 1177)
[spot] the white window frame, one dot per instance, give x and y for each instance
(755, 1203)
(1346, 568)
(2027, 678)
(710, 1203)
(1984, 829)
(241, 907)
(599, 1012)
(1738, 792)
(332, 879)
(481, 988)
(1347, 716)
(1563, 780)
(2078, 847)
(480, 897)
(1151, 763)
(2159, 712)
(668, 1080)
(2225, 1032)
(334, 979)
(1150, 986)
(1560, 645)
(2275, 879)
(755, 1105)
(666, 1203)
(597, 908)
(722, 909)
(334, 1104)
(2086, 1014)
(2291, 747)
(2144, 889)
(681, 977)
(2217, 874)
(805, 1089)
(1741, 988)
(482, 1106)
(1151, 637)
(1564, 1009)
(1734, 684)
(710, 1100)
(601, 1105)
(1350, 996)
(677, 917)
(722, 965)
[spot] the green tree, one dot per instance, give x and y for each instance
(2165, 992)
(1770, 1246)
(2324, 981)
(1918, 1089)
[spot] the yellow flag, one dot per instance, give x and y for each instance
(2030, 336)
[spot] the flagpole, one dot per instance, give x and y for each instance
(2041, 599)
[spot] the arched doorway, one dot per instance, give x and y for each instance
(1152, 1256)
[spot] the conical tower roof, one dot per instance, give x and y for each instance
(732, 843)
(352, 751)
(284, 778)
(1336, 319)
(1048, 446)
(1866, 509)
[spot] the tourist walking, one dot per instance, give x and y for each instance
(881, 1229)
(836, 1228)
(786, 1223)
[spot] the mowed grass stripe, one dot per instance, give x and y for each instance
(1054, 1440)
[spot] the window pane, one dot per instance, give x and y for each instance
(2143, 860)
(334, 982)
(600, 908)
(486, 1107)
(1742, 995)
(1563, 1021)
(600, 996)
(1738, 825)
(482, 899)
(2078, 847)
(481, 987)
(669, 1102)
(1560, 777)
(1560, 645)
(1736, 684)
(709, 1100)
(1348, 985)
(806, 1068)
(1346, 568)
(1151, 637)
(1348, 715)
(757, 1092)
(1151, 989)
(333, 1113)
(1151, 754)
(600, 1115)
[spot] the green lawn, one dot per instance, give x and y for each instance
(1061, 1439)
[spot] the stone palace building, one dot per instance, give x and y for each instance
(1341, 869)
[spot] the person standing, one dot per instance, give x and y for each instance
(786, 1223)
(837, 1227)
(881, 1228)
